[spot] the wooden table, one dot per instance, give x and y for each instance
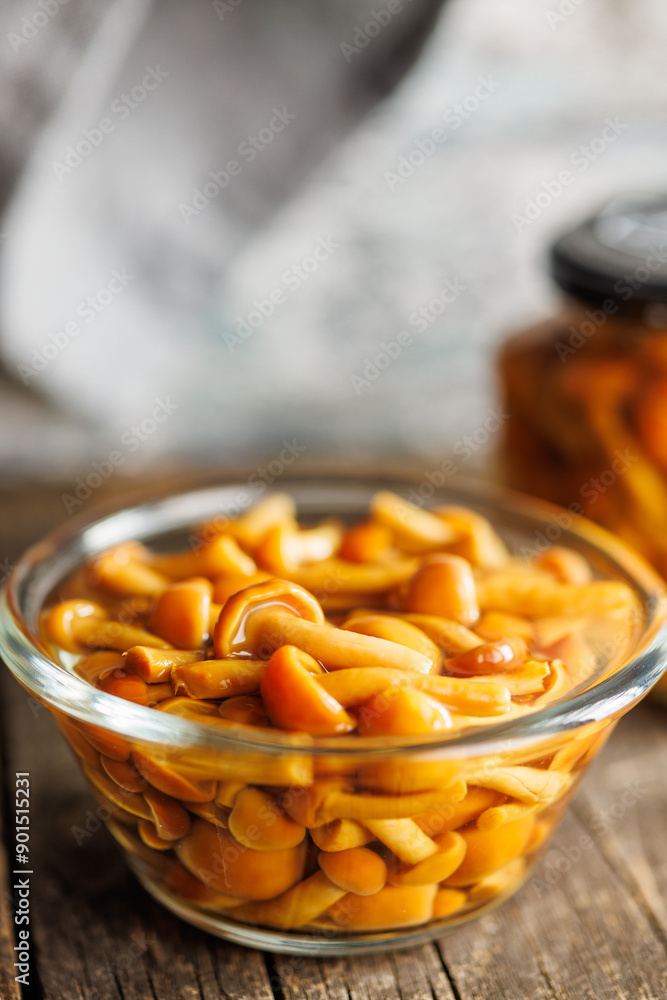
(590, 925)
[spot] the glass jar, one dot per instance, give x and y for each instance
(587, 389)
(147, 767)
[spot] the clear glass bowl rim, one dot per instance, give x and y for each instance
(47, 562)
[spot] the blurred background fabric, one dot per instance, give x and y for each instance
(231, 225)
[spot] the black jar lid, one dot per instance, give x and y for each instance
(619, 254)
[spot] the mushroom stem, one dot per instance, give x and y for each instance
(402, 836)
(335, 648)
(296, 907)
(356, 685)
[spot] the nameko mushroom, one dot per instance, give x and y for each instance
(257, 620)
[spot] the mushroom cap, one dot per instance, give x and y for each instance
(229, 634)
(215, 857)
(60, 622)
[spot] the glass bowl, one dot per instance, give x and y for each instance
(221, 885)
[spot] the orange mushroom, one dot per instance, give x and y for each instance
(403, 838)
(245, 709)
(94, 666)
(77, 624)
(152, 838)
(215, 857)
(494, 625)
(178, 780)
(64, 622)
(155, 665)
(180, 881)
(450, 636)
(210, 559)
(215, 814)
(479, 542)
(230, 583)
(444, 585)
(124, 774)
(131, 802)
(533, 596)
(297, 907)
(355, 870)
(448, 902)
(453, 815)
(234, 632)
(336, 576)
(250, 528)
(488, 850)
(436, 868)
(415, 529)
(106, 742)
(263, 617)
(340, 835)
(285, 547)
(154, 860)
(390, 908)
(258, 822)
(489, 658)
(367, 542)
(396, 630)
(78, 742)
(171, 820)
(357, 684)
(566, 565)
(218, 678)
(294, 700)
(124, 685)
(399, 711)
(181, 613)
(331, 799)
(125, 570)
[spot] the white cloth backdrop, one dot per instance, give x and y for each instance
(363, 317)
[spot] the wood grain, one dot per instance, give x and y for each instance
(590, 925)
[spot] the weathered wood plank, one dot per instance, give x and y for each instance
(97, 934)
(371, 976)
(625, 806)
(416, 974)
(310, 978)
(573, 931)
